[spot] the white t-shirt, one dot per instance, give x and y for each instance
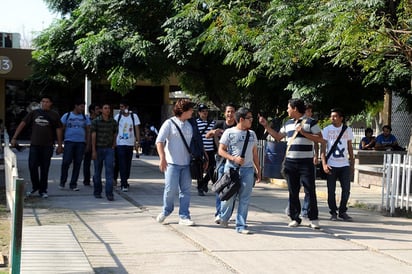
(125, 135)
(338, 158)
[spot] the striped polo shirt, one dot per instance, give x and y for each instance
(301, 147)
(204, 127)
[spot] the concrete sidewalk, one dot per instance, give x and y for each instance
(124, 237)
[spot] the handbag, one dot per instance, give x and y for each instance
(229, 184)
(196, 162)
(282, 169)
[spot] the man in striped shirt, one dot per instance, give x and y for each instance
(205, 125)
(299, 167)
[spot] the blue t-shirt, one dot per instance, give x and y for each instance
(389, 140)
(75, 127)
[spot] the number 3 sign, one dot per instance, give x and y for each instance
(6, 65)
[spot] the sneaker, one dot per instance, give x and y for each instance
(98, 196)
(86, 183)
(161, 218)
(125, 189)
(224, 223)
(293, 223)
(110, 197)
(217, 219)
(200, 192)
(44, 195)
(334, 217)
(314, 224)
(244, 231)
(75, 189)
(187, 222)
(61, 186)
(344, 216)
(30, 193)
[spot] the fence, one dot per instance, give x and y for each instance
(396, 182)
(15, 200)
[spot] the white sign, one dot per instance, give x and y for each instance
(6, 65)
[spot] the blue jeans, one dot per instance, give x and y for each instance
(39, 158)
(177, 180)
(73, 152)
(106, 155)
(246, 180)
(124, 158)
(301, 172)
(221, 170)
(343, 174)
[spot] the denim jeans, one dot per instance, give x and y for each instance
(73, 153)
(226, 209)
(124, 158)
(343, 174)
(106, 155)
(221, 170)
(177, 180)
(301, 172)
(39, 158)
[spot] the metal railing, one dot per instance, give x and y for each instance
(15, 201)
(396, 182)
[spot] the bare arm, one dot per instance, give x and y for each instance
(161, 151)
(278, 136)
(17, 132)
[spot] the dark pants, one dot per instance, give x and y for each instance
(202, 184)
(105, 155)
(73, 153)
(86, 167)
(343, 174)
(124, 156)
(39, 158)
(301, 172)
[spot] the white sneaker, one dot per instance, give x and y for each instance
(293, 224)
(224, 223)
(314, 224)
(125, 189)
(44, 195)
(217, 219)
(244, 231)
(187, 222)
(161, 218)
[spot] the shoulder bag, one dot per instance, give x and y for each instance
(229, 184)
(196, 162)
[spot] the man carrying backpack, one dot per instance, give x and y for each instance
(128, 138)
(76, 128)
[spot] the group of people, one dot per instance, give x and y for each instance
(384, 141)
(108, 141)
(223, 143)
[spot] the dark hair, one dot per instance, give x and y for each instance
(241, 113)
(46, 96)
(92, 107)
(79, 101)
(368, 130)
(339, 111)
(297, 103)
(230, 105)
(124, 102)
(387, 127)
(182, 105)
(309, 106)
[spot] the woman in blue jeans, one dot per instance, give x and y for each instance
(230, 147)
(175, 160)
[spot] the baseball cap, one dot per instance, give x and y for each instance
(202, 107)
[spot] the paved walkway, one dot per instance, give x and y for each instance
(123, 236)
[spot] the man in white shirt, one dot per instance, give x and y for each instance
(339, 164)
(128, 138)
